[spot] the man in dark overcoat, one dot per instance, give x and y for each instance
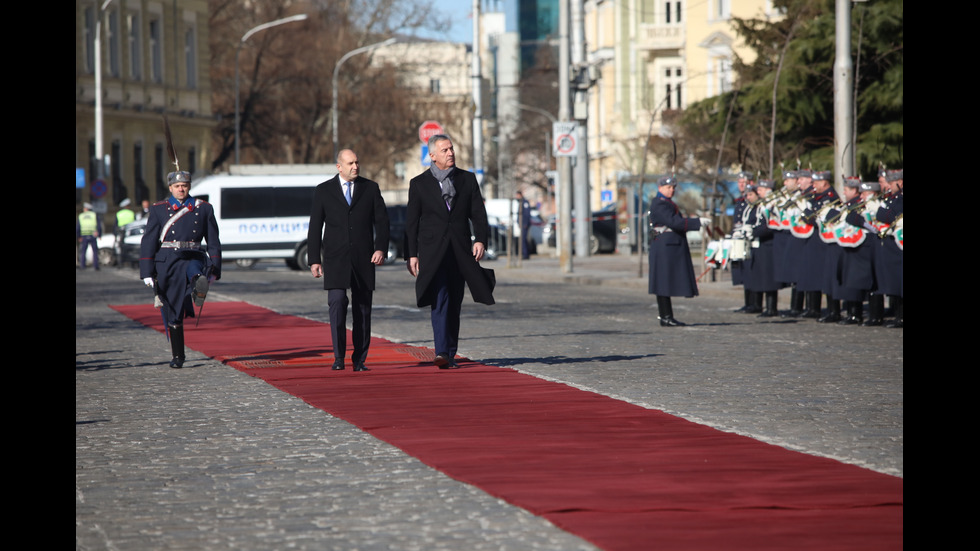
(444, 206)
(348, 237)
(671, 268)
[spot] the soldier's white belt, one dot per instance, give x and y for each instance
(180, 245)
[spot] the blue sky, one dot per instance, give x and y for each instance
(460, 11)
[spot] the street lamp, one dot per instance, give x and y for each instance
(100, 158)
(336, 71)
(245, 37)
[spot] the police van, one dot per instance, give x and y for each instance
(263, 211)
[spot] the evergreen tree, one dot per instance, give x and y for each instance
(800, 48)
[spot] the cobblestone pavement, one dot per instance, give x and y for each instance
(209, 458)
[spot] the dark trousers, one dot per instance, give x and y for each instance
(337, 304)
(448, 287)
(93, 242)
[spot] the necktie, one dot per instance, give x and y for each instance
(347, 192)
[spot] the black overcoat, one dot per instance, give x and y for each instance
(431, 229)
(671, 267)
(350, 233)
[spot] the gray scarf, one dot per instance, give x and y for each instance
(445, 182)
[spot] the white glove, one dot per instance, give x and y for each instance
(705, 222)
(148, 281)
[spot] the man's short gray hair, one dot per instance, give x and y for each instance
(436, 138)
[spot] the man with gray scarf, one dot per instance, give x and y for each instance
(444, 202)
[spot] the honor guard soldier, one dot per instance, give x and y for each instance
(671, 270)
(760, 276)
(180, 255)
(832, 234)
(858, 266)
(786, 247)
(889, 262)
(822, 198)
(737, 267)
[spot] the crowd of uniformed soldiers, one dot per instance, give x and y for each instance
(847, 250)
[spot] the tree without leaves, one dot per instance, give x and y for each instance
(286, 76)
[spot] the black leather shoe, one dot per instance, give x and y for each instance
(360, 367)
(177, 362)
(442, 362)
(338, 365)
(850, 320)
(872, 322)
(671, 322)
(829, 318)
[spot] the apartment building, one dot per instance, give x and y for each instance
(154, 61)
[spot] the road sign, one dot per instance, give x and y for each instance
(429, 129)
(426, 160)
(80, 178)
(98, 189)
(566, 144)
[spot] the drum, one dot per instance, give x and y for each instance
(740, 249)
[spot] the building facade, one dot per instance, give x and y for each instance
(154, 62)
(652, 58)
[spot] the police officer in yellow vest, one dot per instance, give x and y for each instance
(124, 215)
(87, 231)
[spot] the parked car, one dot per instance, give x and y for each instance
(497, 211)
(604, 231)
(397, 242)
(128, 249)
(107, 251)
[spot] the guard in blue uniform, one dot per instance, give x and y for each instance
(836, 286)
(760, 276)
(813, 260)
(737, 267)
(890, 257)
(858, 266)
(786, 247)
(180, 255)
(671, 269)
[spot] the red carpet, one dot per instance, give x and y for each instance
(616, 474)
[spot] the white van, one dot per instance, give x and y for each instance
(263, 211)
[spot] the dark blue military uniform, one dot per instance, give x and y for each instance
(180, 249)
(760, 270)
(175, 257)
(671, 269)
(889, 258)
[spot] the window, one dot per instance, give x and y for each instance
(673, 87)
(190, 57)
(434, 86)
(723, 74)
(156, 51)
(138, 181)
(134, 35)
(723, 9)
(89, 32)
(672, 16)
(160, 171)
(113, 40)
(265, 202)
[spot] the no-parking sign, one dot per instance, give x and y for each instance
(566, 143)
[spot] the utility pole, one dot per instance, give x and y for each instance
(477, 98)
(843, 100)
(583, 203)
(564, 162)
